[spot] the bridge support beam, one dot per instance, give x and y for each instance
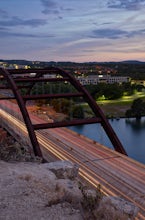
(21, 104)
(24, 75)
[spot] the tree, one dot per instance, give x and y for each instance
(137, 109)
(78, 112)
(110, 91)
(113, 91)
(61, 105)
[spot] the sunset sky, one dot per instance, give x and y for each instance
(72, 30)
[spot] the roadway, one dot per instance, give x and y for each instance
(117, 174)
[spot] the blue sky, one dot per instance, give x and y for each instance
(72, 30)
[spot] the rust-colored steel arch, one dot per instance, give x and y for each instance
(12, 85)
(26, 78)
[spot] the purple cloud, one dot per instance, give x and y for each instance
(15, 21)
(109, 33)
(50, 7)
(116, 33)
(5, 34)
(3, 13)
(126, 4)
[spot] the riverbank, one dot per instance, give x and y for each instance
(117, 108)
(114, 109)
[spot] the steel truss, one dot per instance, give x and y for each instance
(17, 79)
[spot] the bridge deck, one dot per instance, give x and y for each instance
(118, 174)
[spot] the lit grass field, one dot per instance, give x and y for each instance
(117, 108)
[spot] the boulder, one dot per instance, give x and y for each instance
(63, 169)
(116, 208)
(29, 191)
(70, 190)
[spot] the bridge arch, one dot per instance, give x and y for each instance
(18, 80)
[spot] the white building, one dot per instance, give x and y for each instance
(95, 79)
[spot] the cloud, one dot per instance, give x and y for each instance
(15, 21)
(126, 4)
(33, 22)
(5, 34)
(54, 8)
(3, 13)
(49, 3)
(109, 33)
(137, 33)
(3, 29)
(50, 7)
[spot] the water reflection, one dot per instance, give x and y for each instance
(136, 124)
(131, 133)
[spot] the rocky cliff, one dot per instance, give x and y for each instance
(31, 190)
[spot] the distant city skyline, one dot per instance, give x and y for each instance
(72, 30)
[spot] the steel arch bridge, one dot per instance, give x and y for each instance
(21, 83)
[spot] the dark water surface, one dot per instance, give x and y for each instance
(131, 133)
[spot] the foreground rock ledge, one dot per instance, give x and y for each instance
(31, 191)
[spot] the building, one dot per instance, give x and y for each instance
(95, 79)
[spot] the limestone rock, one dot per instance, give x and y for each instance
(36, 191)
(63, 169)
(117, 207)
(71, 191)
(28, 190)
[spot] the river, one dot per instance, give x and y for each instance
(131, 133)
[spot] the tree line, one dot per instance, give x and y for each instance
(113, 91)
(74, 108)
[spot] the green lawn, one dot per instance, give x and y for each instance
(117, 108)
